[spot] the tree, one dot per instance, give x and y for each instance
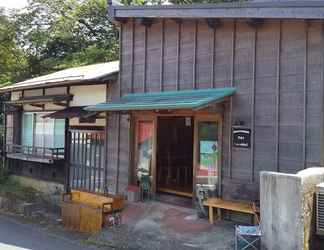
(12, 60)
(58, 34)
(50, 35)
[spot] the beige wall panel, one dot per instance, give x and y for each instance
(56, 91)
(88, 95)
(33, 92)
(28, 107)
(16, 95)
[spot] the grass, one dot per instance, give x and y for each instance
(14, 190)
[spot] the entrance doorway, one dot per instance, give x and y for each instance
(175, 143)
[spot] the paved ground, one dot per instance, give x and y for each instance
(147, 226)
(157, 226)
(15, 235)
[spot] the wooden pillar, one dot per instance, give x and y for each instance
(231, 101)
(322, 99)
(278, 80)
(194, 69)
(132, 56)
(253, 101)
(67, 149)
(178, 55)
(162, 55)
(305, 93)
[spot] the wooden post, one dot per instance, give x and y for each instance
(67, 156)
(132, 59)
(162, 55)
(4, 135)
(255, 39)
(278, 94)
(305, 93)
(178, 55)
(322, 98)
(231, 101)
(67, 148)
(194, 67)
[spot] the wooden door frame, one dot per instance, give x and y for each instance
(197, 117)
(208, 118)
(146, 118)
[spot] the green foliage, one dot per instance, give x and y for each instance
(14, 190)
(58, 34)
(3, 175)
(12, 60)
(50, 35)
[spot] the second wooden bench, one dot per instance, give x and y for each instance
(219, 204)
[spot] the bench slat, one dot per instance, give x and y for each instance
(242, 207)
(229, 205)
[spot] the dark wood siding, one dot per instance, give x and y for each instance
(277, 69)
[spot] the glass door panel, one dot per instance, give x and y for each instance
(144, 145)
(208, 154)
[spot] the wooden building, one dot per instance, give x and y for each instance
(45, 118)
(214, 94)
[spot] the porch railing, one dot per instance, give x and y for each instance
(32, 153)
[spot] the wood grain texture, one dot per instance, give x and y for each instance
(279, 76)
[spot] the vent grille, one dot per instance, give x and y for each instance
(320, 209)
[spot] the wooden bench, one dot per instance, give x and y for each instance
(85, 212)
(219, 204)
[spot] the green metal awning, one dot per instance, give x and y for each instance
(184, 99)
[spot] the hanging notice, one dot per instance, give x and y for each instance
(242, 137)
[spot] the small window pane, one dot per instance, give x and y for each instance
(27, 131)
(59, 131)
(39, 131)
(208, 153)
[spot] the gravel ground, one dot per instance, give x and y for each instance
(161, 226)
(150, 225)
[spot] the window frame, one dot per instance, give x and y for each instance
(53, 133)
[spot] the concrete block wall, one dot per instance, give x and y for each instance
(287, 208)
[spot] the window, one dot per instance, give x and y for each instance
(42, 132)
(9, 127)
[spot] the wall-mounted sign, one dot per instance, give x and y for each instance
(241, 137)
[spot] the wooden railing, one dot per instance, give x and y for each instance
(32, 153)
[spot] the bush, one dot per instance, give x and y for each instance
(4, 176)
(14, 190)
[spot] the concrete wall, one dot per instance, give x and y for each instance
(287, 208)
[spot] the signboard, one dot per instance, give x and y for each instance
(241, 137)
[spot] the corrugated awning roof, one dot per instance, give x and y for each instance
(41, 99)
(185, 99)
(94, 72)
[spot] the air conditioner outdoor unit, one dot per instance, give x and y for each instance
(320, 209)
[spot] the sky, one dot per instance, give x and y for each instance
(13, 3)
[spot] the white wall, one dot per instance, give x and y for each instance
(88, 95)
